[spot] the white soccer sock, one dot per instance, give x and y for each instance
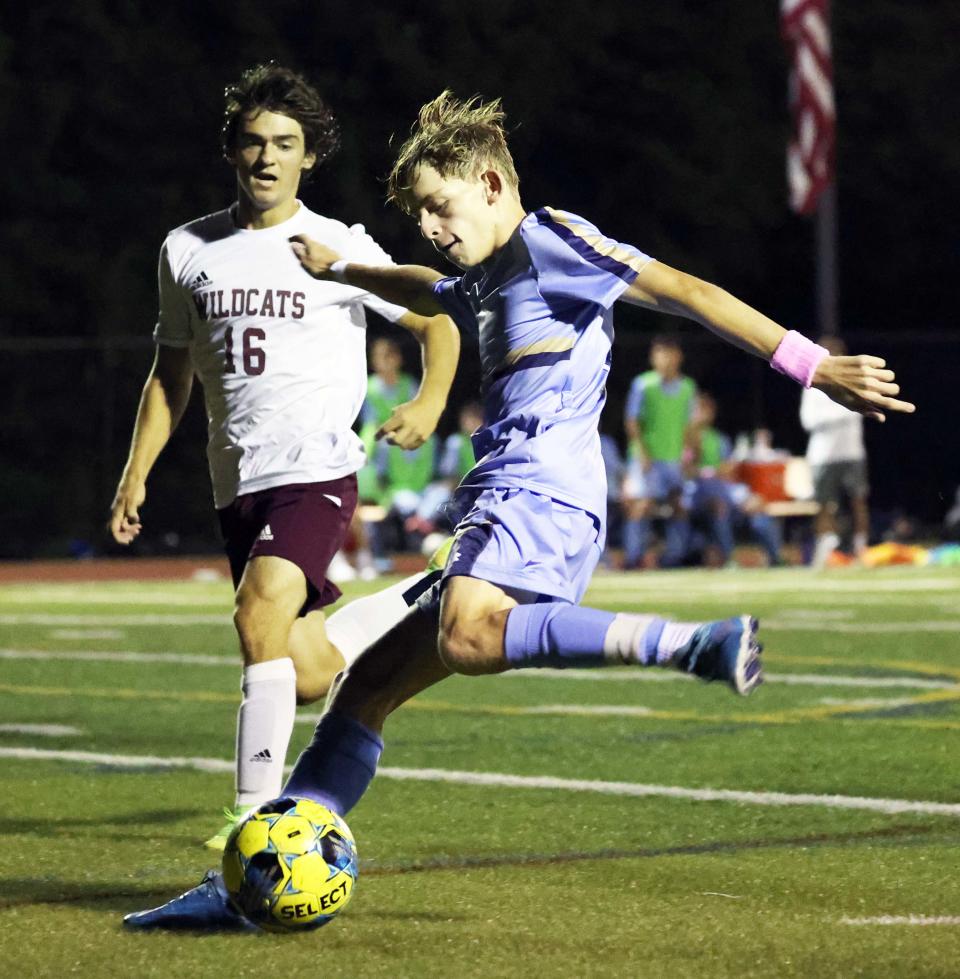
(264, 725)
(630, 639)
(364, 620)
(859, 544)
(674, 637)
(624, 639)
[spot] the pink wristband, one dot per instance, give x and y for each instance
(798, 357)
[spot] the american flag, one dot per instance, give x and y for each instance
(806, 28)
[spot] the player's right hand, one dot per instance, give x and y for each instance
(314, 257)
(124, 523)
(411, 424)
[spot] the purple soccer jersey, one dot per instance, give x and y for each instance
(543, 315)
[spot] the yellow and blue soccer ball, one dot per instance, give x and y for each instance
(290, 865)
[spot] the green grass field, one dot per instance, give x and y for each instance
(653, 826)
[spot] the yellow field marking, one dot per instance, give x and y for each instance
(203, 696)
(909, 666)
(795, 715)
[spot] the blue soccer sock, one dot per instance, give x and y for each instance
(560, 635)
(338, 764)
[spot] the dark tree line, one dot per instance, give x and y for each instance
(664, 122)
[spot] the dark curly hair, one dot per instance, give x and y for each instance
(272, 88)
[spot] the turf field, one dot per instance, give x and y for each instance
(613, 823)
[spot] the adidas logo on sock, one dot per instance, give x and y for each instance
(266, 533)
(262, 755)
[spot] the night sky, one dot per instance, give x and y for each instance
(663, 122)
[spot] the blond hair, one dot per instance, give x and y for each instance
(458, 139)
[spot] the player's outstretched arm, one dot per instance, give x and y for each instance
(412, 423)
(861, 383)
(406, 285)
(164, 399)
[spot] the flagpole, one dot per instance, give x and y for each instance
(827, 279)
(811, 171)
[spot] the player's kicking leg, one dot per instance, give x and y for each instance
(338, 765)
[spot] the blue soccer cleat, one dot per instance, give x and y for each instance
(205, 907)
(725, 650)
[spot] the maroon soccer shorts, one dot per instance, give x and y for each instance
(300, 522)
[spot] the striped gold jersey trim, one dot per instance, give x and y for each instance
(600, 244)
(551, 345)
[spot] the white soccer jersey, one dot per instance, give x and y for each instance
(281, 356)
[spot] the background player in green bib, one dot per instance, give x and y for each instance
(387, 386)
(456, 459)
(657, 418)
(394, 478)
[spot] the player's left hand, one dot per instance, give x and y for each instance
(314, 257)
(862, 383)
(410, 424)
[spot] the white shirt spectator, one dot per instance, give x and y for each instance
(836, 433)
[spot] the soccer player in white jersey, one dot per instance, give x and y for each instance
(282, 361)
(539, 287)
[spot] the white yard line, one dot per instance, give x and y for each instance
(169, 618)
(501, 780)
(224, 619)
(904, 919)
(879, 682)
(608, 675)
(162, 598)
(818, 614)
(615, 675)
(86, 634)
(42, 730)
(121, 656)
(867, 702)
(559, 710)
(803, 625)
(744, 584)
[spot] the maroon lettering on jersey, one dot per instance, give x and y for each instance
(249, 302)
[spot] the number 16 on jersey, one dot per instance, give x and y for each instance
(254, 357)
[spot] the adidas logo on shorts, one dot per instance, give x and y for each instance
(262, 755)
(266, 533)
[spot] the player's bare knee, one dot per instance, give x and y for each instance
(313, 688)
(461, 648)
